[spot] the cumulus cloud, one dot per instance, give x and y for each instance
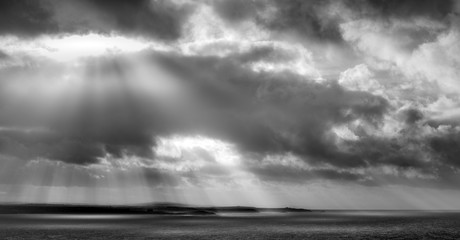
(436, 62)
(360, 78)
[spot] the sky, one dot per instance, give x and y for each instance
(349, 104)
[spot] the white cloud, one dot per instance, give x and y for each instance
(437, 61)
(360, 78)
(342, 132)
(180, 147)
(417, 48)
(375, 39)
(206, 34)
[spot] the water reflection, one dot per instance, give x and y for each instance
(315, 225)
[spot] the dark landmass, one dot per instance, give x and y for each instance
(154, 209)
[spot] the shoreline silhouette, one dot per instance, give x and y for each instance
(154, 209)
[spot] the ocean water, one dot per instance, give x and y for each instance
(316, 225)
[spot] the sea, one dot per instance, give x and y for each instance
(310, 225)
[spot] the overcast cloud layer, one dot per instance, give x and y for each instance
(289, 92)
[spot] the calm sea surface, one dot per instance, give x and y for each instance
(320, 225)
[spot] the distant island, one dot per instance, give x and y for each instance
(154, 209)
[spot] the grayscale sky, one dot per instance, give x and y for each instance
(320, 104)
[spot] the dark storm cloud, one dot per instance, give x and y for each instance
(424, 162)
(379, 151)
(307, 18)
(414, 161)
(237, 10)
(26, 18)
(320, 20)
(409, 8)
(36, 144)
(411, 116)
(317, 20)
(157, 19)
(447, 148)
(161, 19)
